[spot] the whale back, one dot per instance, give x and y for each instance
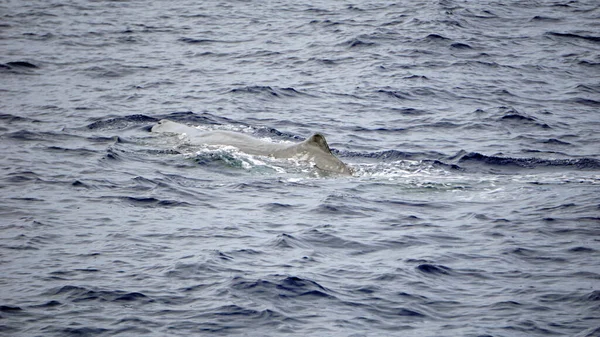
(314, 149)
(319, 141)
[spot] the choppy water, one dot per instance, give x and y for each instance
(472, 128)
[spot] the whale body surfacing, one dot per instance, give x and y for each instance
(314, 149)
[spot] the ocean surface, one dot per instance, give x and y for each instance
(472, 128)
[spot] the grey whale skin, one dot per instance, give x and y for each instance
(314, 149)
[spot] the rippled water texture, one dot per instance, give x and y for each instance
(471, 129)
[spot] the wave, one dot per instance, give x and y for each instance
(9, 309)
(20, 64)
(510, 115)
(121, 122)
(358, 43)
(19, 68)
(124, 122)
(269, 91)
(541, 18)
(393, 156)
(433, 269)
(9, 118)
(282, 287)
(590, 38)
(401, 95)
(82, 294)
(149, 202)
(206, 41)
(528, 163)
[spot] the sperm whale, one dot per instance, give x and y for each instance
(314, 149)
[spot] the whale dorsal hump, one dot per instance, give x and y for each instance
(319, 141)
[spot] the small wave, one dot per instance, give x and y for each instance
(416, 77)
(153, 202)
(150, 202)
(435, 37)
(357, 43)
(591, 332)
(112, 154)
(49, 304)
(82, 331)
(586, 101)
(10, 309)
(196, 41)
(459, 45)
(540, 18)
(206, 41)
(406, 160)
(409, 313)
(581, 249)
(508, 114)
(286, 287)
(269, 91)
(121, 122)
(82, 294)
(341, 211)
(198, 119)
(25, 135)
(235, 310)
(518, 117)
(395, 94)
(433, 269)
(227, 318)
(83, 152)
(266, 132)
(21, 64)
(590, 38)
(23, 177)
(8, 118)
(276, 207)
(18, 67)
(324, 61)
(114, 71)
(441, 165)
(554, 141)
(394, 313)
(589, 88)
(302, 287)
(407, 170)
(594, 296)
(287, 241)
(588, 63)
(39, 37)
(387, 155)
(530, 163)
(321, 239)
(130, 297)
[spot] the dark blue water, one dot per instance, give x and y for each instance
(472, 128)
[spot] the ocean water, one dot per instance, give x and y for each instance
(471, 127)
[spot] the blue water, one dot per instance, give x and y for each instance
(471, 127)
